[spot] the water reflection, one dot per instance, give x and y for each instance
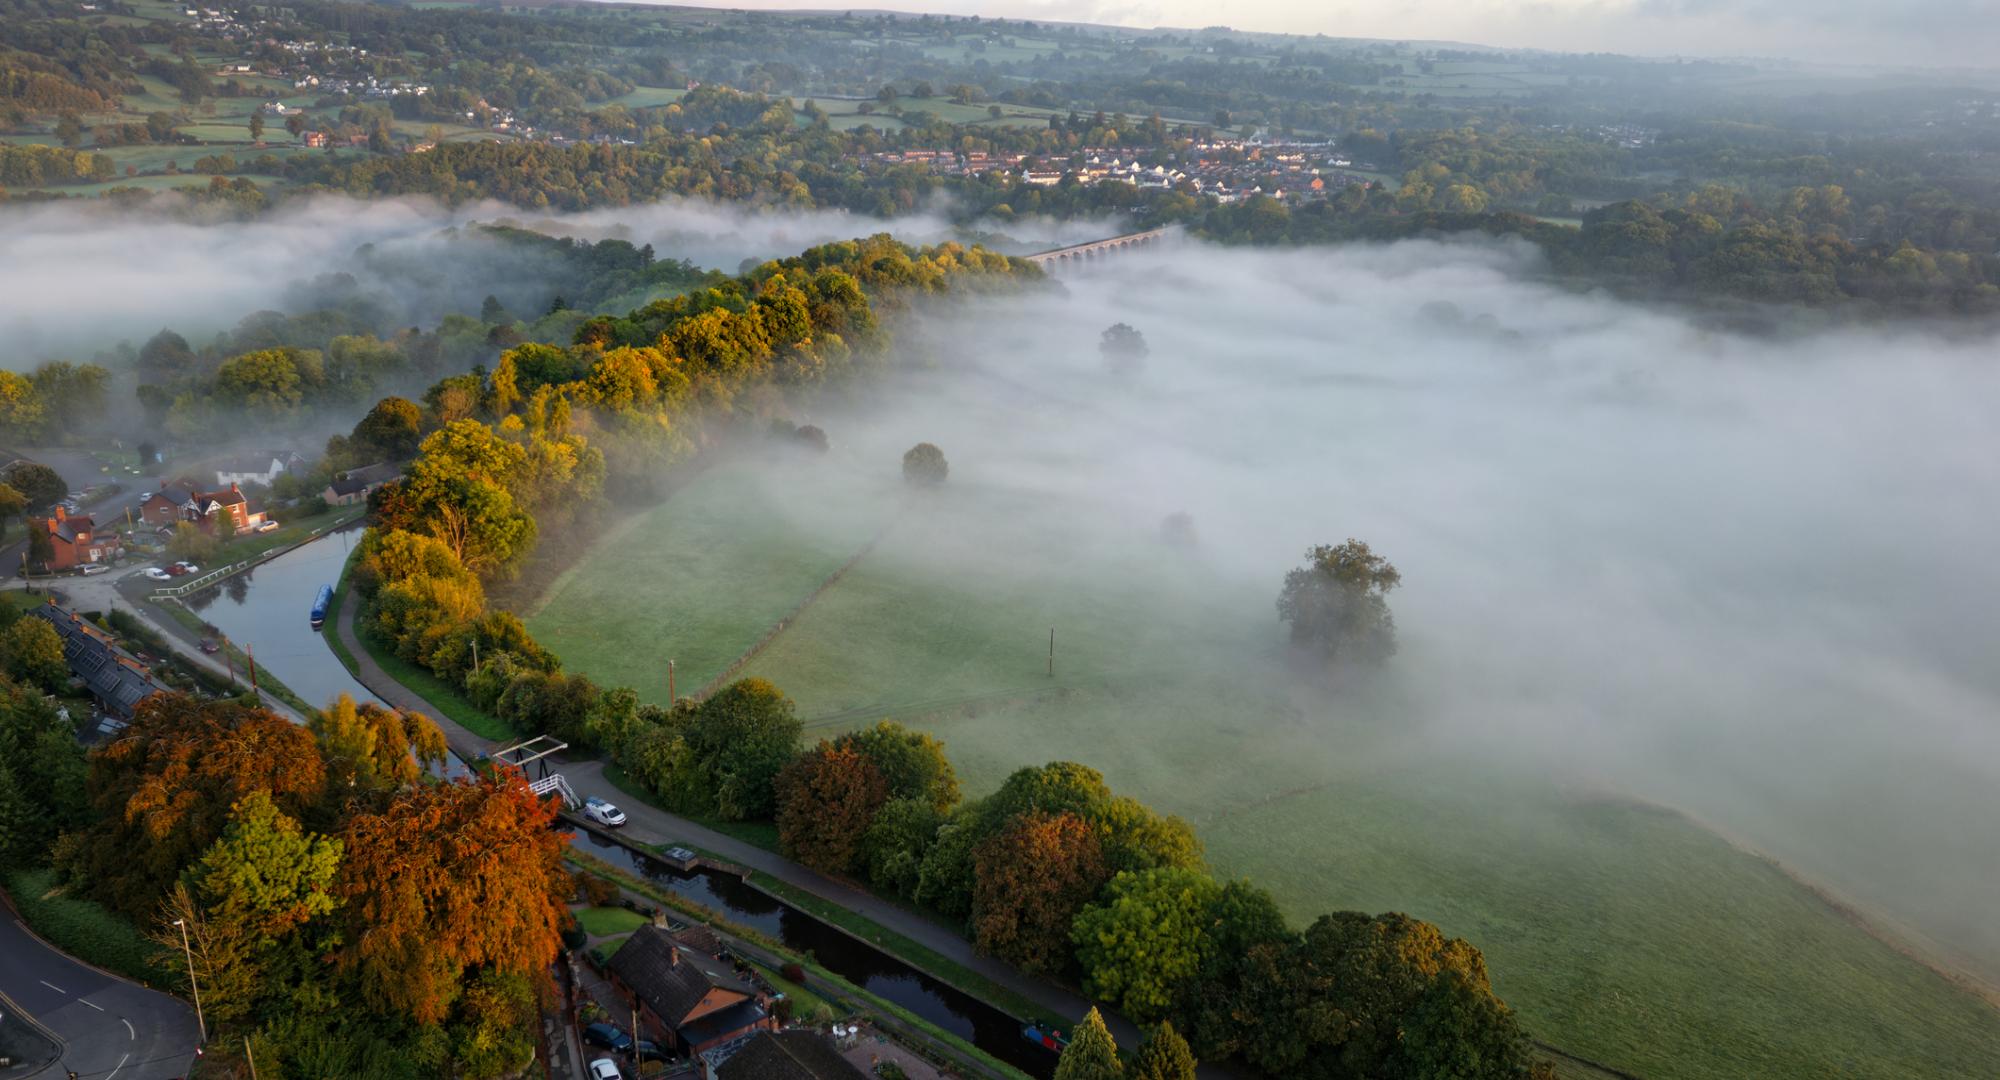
(861, 964)
(271, 618)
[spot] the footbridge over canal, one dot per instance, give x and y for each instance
(1077, 255)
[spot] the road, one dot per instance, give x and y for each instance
(648, 825)
(107, 1028)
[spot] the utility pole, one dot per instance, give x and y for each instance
(475, 656)
(1052, 652)
(192, 984)
(670, 684)
(253, 662)
(250, 1057)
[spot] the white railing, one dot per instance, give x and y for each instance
(199, 583)
(556, 785)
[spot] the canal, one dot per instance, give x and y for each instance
(865, 966)
(265, 611)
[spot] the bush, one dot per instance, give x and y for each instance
(600, 891)
(793, 973)
(924, 464)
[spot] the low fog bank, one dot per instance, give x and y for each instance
(1747, 578)
(80, 277)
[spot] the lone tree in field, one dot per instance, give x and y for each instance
(1336, 604)
(1124, 349)
(925, 464)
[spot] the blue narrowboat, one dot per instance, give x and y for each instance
(320, 604)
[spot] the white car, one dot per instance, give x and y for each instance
(602, 812)
(267, 526)
(605, 1069)
(94, 568)
(158, 574)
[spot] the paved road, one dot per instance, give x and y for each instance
(108, 1028)
(647, 824)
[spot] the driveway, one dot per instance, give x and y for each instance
(105, 1027)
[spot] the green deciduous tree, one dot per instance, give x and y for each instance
(42, 486)
(31, 652)
(925, 466)
(743, 736)
(913, 762)
(1336, 604)
(1139, 944)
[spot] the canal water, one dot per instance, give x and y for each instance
(267, 611)
(863, 965)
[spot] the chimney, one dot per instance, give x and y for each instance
(234, 489)
(61, 515)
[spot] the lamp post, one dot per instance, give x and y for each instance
(189, 949)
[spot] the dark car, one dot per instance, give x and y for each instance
(646, 1050)
(608, 1036)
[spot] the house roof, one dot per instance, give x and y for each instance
(787, 1055)
(69, 528)
(112, 676)
(354, 480)
(231, 497)
(722, 1022)
(671, 979)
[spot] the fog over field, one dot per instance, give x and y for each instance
(83, 276)
(1748, 578)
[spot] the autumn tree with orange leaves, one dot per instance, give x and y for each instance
(162, 791)
(1030, 880)
(447, 878)
(827, 797)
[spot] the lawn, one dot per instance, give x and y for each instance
(721, 565)
(1621, 932)
(606, 921)
(86, 930)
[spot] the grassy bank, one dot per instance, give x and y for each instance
(87, 930)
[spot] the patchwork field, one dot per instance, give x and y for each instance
(1622, 932)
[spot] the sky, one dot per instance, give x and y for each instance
(1924, 33)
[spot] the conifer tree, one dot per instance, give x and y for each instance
(1092, 1054)
(1165, 1056)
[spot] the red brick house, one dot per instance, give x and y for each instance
(226, 513)
(76, 541)
(167, 506)
(685, 999)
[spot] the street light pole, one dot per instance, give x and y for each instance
(189, 949)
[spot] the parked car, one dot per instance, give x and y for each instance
(94, 568)
(267, 526)
(605, 1069)
(176, 570)
(602, 812)
(608, 1036)
(188, 568)
(210, 646)
(158, 574)
(647, 1050)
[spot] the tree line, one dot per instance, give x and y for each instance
(1053, 872)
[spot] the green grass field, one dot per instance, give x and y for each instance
(606, 921)
(1622, 933)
